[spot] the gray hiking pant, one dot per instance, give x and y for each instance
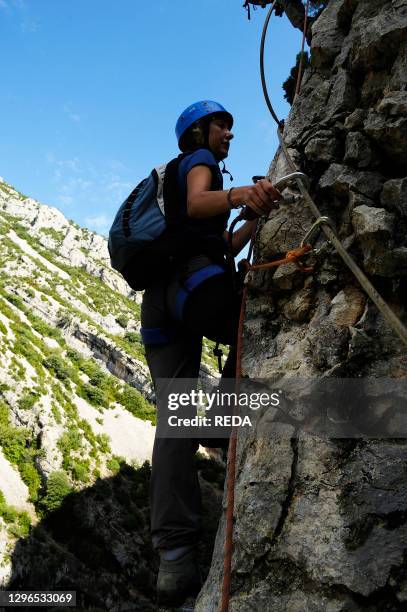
(212, 309)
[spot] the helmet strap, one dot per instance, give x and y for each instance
(224, 171)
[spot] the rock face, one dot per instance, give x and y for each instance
(320, 521)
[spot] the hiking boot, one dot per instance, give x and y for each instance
(178, 580)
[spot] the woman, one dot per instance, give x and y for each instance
(199, 300)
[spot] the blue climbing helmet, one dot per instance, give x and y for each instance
(196, 111)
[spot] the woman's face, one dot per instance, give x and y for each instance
(219, 137)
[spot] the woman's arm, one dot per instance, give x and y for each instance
(203, 203)
(241, 236)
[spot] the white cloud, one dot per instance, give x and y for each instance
(267, 130)
(116, 166)
(118, 185)
(73, 116)
(64, 200)
(99, 223)
(88, 188)
(75, 184)
(29, 26)
(117, 190)
(69, 164)
(99, 220)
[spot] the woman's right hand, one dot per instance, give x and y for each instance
(261, 197)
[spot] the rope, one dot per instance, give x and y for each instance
(299, 77)
(231, 473)
(231, 464)
(291, 257)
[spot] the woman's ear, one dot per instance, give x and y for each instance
(198, 133)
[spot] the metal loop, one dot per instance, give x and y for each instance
(289, 178)
(315, 227)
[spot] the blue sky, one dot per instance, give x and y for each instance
(91, 90)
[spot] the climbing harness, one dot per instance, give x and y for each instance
(324, 224)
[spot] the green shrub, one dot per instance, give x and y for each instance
(122, 320)
(80, 470)
(135, 403)
(20, 528)
(26, 344)
(19, 522)
(16, 301)
(31, 478)
(59, 367)
(132, 337)
(57, 415)
(8, 513)
(3, 328)
(27, 401)
(58, 487)
(17, 369)
(99, 379)
(44, 329)
(114, 464)
(88, 367)
(104, 443)
(13, 441)
(73, 355)
(4, 387)
(4, 414)
(18, 448)
(93, 395)
(70, 440)
(58, 236)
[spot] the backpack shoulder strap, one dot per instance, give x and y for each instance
(171, 195)
(159, 176)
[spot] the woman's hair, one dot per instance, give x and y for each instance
(196, 136)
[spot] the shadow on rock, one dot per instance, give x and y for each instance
(98, 543)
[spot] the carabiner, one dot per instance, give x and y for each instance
(289, 178)
(315, 227)
(284, 182)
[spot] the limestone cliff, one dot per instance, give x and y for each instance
(320, 523)
(75, 423)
